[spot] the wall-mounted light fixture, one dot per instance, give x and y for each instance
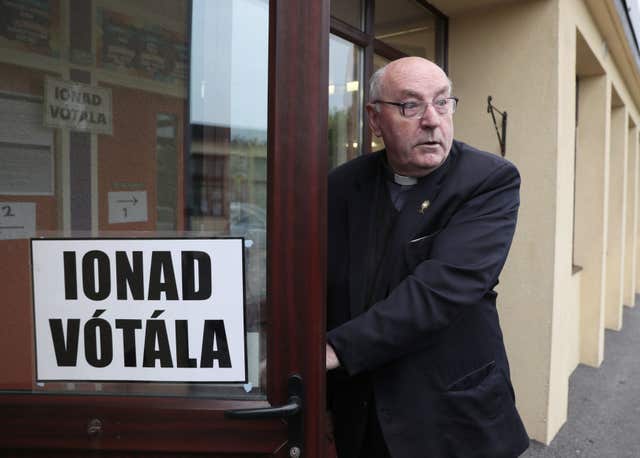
(502, 139)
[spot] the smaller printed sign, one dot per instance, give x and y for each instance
(77, 106)
(127, 207)
(17, 220)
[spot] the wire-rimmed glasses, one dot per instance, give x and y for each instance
(417, 109)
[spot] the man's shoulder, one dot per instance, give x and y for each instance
(478, 162)
(357, 168)
(472, 155)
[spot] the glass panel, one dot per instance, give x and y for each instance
(345, 100)
(349, 11)
(377, 143)
(406, 26)
(167, 166)
(96, 102)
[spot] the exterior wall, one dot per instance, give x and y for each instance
(570, 281)
(634, 189)
(510, 52)
(591, 207)
(629, 287)
(615, 242)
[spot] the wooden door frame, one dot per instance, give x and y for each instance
(297, 170)
(298, 167)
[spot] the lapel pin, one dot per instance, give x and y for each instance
(424, 206)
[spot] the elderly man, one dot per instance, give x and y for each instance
(418, 234)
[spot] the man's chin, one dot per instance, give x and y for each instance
(431, 157)
(430, 161)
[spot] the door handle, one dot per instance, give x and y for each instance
(291, 411)
(291, 408)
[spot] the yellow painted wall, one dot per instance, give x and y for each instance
(524, 55)
(629, 286)
(615, 242)
(510, 52)
(565, 352)
(591, 207)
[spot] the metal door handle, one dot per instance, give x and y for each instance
(291, 408)
(291, 411)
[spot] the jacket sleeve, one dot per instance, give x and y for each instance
(463, 265)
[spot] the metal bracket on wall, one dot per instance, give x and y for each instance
(502, 139)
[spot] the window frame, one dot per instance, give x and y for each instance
(371, 45)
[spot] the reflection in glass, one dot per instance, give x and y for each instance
(228, 156)
(376, 142)
(349, 11)
(345, 100)
(167, 163)
(407, 26)
(169, 77)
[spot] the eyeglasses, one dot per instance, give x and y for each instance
(442, 105)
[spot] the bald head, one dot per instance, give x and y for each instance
(418, 143)
(405, 66)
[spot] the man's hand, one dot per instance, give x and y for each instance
(331, 358)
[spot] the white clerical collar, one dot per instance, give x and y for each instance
(404, 180)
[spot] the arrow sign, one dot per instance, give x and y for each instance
(132, 200)
(127, 207)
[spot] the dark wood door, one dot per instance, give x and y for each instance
(73, 425)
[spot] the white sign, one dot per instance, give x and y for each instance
(17, 220)
(127, 206)
(26, 147)
(26, 169)
(77, 106)
(164, 310)
(21, 120)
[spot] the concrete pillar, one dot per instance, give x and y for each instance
(631, 207)
(592, 162)
(616, 223)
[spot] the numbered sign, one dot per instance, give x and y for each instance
(127, 207)
(17, 220)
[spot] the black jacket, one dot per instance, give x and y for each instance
(431, 350)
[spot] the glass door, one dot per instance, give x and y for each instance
(162, 192)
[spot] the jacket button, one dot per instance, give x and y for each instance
(364, 404)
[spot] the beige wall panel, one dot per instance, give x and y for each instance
(622, 67)
(524, 55)
(511, 53)
(566, 311)
(631, 213)
(569, 352)
(616, 232)
(635, 146)
(584, 14)
(592, 163)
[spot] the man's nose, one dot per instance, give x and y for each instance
(430, 117)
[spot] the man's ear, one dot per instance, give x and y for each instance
(373, 117)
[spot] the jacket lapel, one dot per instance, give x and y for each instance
(361, 227)
(418, 217)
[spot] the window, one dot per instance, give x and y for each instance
(345, 100)
(128, 120)
(365, 35)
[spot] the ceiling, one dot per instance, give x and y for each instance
(453, 8)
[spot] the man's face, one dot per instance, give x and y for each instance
(415, 146)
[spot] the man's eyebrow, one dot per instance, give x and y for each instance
(410, 93)
(445, 89)
(417, 95)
